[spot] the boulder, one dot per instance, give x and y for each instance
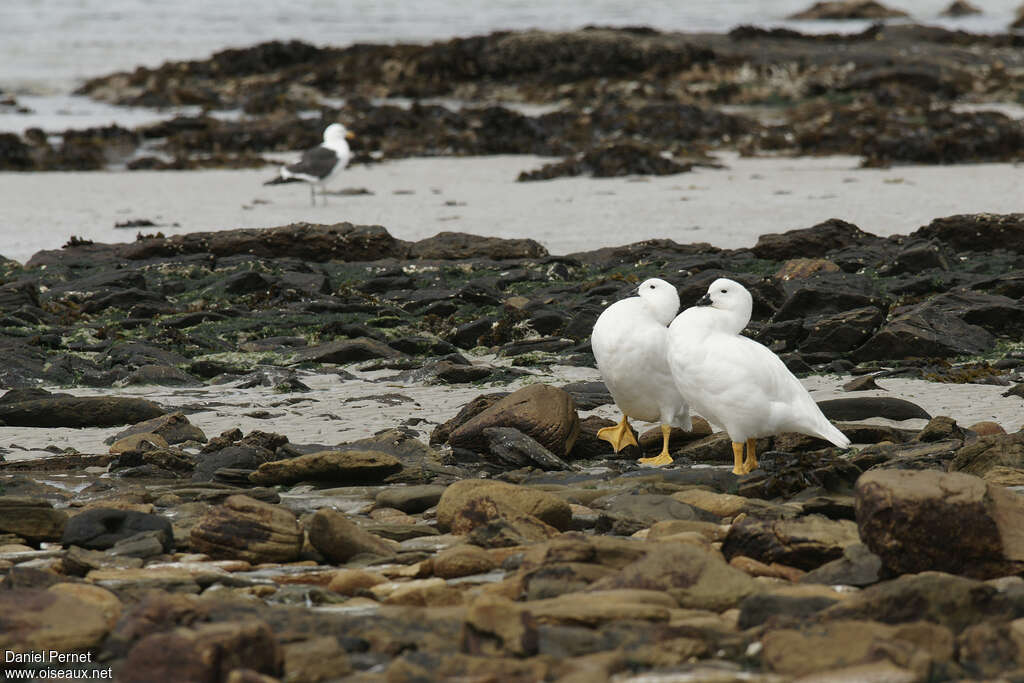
(925, 334)
(32, 519)
(173, 427)
(339, 539)
(811, 242)
(842, 644)
(959, 8)
(496, 626)
(512, 448)
(463, 560)
(951, 522)
(860, 408)
(342, 467)
(34, 619)
(460, 245)
(208, 652)
(847, 9)
(240, 457)
(352, 581)
(857, 567)
(977, 232)
(410, 499)
(348, 351)
(101, 528)
(495, 499)
(952, 601)
(989, 452)
(78, 411)
(315, 660)
(841, 332)
(696, 578)
(544, 413)
(805, 542)
(243, 528)
(305, 241)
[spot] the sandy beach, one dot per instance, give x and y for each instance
(417, 198)
(340, 410)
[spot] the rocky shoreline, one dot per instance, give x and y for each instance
(610, 101)
(493, 537)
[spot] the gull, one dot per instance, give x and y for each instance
(319, 164)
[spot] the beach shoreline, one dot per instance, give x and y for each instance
(417, 198)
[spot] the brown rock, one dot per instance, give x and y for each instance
(959, 8)
(806, 542)
(927, 520)
(546, 414)
(1005, 450)
(801, 268)
(339, 539)
(719, 504)
(137, 442)
(848, 9)
(460, 245)
(243, 528)
(470, 410)
(173, 427)
(495, 626)
(463, 560)
(33, 619)
(103, 601)
(594, 608)
(306, 241)
(1004, 476)
(138, 580)
(811, 242)
(31, 519)
(315, 660)
(336, 466)
(78, 411)
(352, 581)
(694, 577)
(208, 652)
(419, 593)
(987, 428)
(477, 501)
(505, 532)
(842, 644)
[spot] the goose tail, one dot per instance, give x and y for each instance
(830, 432)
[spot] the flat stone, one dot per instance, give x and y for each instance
(344, 467)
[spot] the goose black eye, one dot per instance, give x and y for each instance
(652, 286)
(724, 292)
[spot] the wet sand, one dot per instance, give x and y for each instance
(338, 411)
(417, 198)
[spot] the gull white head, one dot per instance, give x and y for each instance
(733, 300)
(337, 133)
(661, 298)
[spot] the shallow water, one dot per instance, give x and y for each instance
(47, 47)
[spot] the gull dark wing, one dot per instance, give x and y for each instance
(316, 163)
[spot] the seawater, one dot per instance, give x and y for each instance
(49, 46)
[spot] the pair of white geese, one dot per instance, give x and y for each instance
(658, 372)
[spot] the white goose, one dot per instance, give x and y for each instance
(735, 382)
(630, 341)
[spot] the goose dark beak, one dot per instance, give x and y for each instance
(704, 300)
